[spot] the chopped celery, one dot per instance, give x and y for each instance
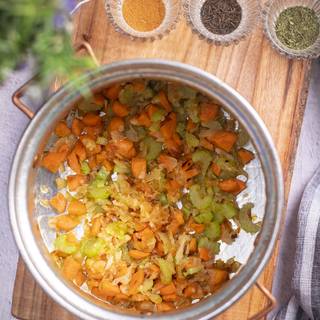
(102, 141)
(102, 174)
(229, 167)
(204, 158)
(117, 229)
(62, 244)
(193, 270)
(92, 247)
(165, 241)
(218, 216)
(85, 169)
(155, 298)
(213, 230)
(243, 138)
(158, 115)
(213, 125)
(177, 93)
(245, 219)
(155, 127)
(151, 148)
(213, 246)
(204, 217)
(89, 106)
(163, 199)
(227, 209)
(181, 129)
(98, 193)
(127, 95)
(192, 141)
(199, 200)
(121, 167)
(192, 108)
(166, 270)
(146, 286)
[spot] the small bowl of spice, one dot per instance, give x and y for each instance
(293, 27)
(143, 19)
(222, 22)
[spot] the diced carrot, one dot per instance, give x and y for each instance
(138, 85)
(173, 227)
(100, 157)
(163, 307)
(190, 290)
(193, 245)
(73, 182)
(208, 112)
(164, 101)
(107, 164)
(92, 132)
(53, 160)
(120, 109)
(73, 163)
(98, 99)
(58, 202)
(91, 120)
(141, 120)
(79, 279)
(77, 127)
(136, 280)
(172, 147)
(173, 186)
(217, 277)
(108, 289)
(168, 289)
(65, 223)
(76, 208)
(168, 129)
(96, 226)
(62, 129)
(167, 162)
(121, 296)
(136, 254)
(112, 92)
(151, 110)
(116, 124)
(204, 254)
(159, 248)
(197, 227)
(233, 186)
(71, 268)
(170, 297)
(224, 140)
(125, 148)
(216, 169)
(191, 126)
(92, 163)
(245, 156)
(206, 144)
(80, 151)
(179, 217)
(139, 168)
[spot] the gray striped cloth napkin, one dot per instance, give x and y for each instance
(305, 302)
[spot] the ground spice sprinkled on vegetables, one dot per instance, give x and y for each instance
(221, 16)
(298, 27)
(143, 15)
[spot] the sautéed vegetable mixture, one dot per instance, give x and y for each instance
(147, 175)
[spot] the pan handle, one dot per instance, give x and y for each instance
(18, 94)
(272, 302)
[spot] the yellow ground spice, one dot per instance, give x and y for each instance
(143, 15)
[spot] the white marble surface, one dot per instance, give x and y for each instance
(308, 158)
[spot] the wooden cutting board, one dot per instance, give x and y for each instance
(275, 86)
